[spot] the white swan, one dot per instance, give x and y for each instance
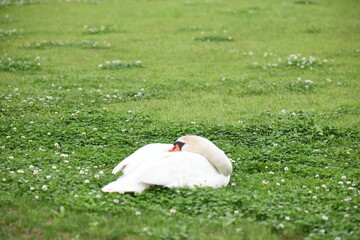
(191, 161)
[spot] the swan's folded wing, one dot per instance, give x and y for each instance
(182, 169)
(141, 155)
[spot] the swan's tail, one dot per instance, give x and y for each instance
(124, 186)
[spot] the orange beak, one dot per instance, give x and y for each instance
(176, 148)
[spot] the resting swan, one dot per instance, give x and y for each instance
(191, 161)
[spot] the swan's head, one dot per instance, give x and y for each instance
(205, 148)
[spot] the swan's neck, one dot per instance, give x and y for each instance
(220, 161)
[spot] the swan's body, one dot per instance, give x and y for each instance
(198, 162)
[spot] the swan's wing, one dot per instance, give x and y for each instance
(140, 155)
(181, 169)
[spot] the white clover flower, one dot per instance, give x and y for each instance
(116, 201)
(271, 173)
(96, 176)
(325, 218)
(309, 81)
(340, 182)
(286, 169)
(137, 213)
(343, 177)
(287, 218)
(20, 171)
(44, 188)
(281, 226)
(346, 215)
(64, 155)
(36, 197)
(172, 211)
(98, 196)
(278, 184)
(265, 182)
(32, 188)
(54, 167)
(87, 181)
(57, 145)
(11, 157)
(236, 212)
(48, 177)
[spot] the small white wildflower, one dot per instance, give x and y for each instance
(233, 184)
(309, 81)
(101, 173)
(317, 175)
(44, 188)
(11, 157)
(32, 188)
(322, 231)
(31, 166)
(94, 129)
(64, 155)
(236, 212)
(340, 182)
(137, 213)
(286, 169)
(98, 196)
(116, 201)
(281, 226)
(343, 177)
(172, 211)
(287, 218)
(20, 171)
(96, 176)
(338, 238)
(54, 167)
(346, 215)
(36, 197)
(271, 173)
(87, 181)
(48, 176)
(57, 145)
(265, 182)
(278, 184)
(325, 218)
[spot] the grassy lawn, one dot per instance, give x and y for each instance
(275, 84)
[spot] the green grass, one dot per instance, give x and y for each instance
(273, 83)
